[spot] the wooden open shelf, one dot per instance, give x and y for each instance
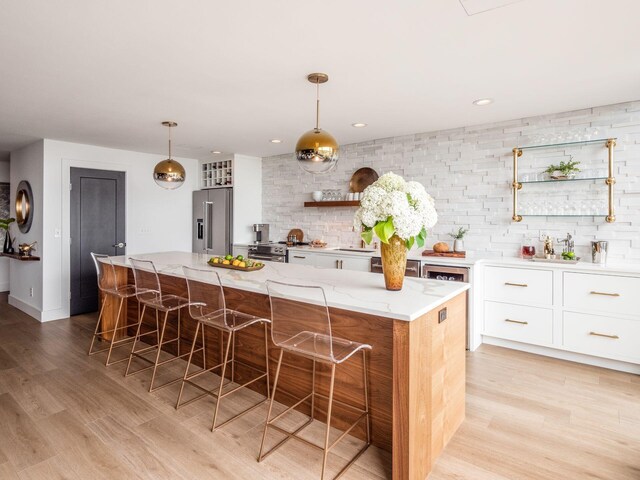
(339, 203)
(22, 258)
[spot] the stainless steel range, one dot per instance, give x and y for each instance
(269, 252)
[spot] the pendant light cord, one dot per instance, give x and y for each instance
(317, 104)
(169, 142)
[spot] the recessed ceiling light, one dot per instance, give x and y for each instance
(481, 102)
(216, 152)
(358, 125)
(275, 140)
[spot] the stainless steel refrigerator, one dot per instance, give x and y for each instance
(212, 221)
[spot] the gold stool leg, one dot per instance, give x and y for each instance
(233, 358)
(266, 358)
(186, 370)
(115, 329)
(155, 365)
(273, 396)
(95, 332)
(135, 341)
(224, 368)
(326, 438)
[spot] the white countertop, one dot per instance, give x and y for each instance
(362, 292)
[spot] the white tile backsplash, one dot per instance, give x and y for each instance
(468, 171)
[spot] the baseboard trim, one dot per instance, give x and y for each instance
(25, 307)
(564, 355)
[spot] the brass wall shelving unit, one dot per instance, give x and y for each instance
(609, 180)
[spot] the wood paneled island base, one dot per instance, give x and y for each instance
(416, 372)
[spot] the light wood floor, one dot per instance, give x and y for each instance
(64, 415)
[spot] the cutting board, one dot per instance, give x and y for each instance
(431, 253)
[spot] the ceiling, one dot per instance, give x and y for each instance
(233, 74)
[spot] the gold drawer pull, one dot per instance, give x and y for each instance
(516, 321)
(606, 294)
(516, 284)
(596, 334)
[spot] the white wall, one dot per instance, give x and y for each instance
(468, 172)
(4, 262)
(26, 164)
(247, 197)
(157, 219)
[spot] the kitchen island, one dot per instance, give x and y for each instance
(416, 367)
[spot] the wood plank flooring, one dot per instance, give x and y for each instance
(63, 415)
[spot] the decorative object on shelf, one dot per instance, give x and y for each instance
(458, 242)
(399, 214)
(441, 247)
(24, 206)
(528, 249)
(599, 251)
(563, 171)
(297, 233)
(317, 150)
(362, 178)
(169, 174)
(26, 249)
(5, 223)
(317, 196)
(609, 181)
(549, 252)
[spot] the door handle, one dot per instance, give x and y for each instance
(119, 245)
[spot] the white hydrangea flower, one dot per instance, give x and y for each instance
(407, 203)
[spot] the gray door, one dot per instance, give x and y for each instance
(97, 225)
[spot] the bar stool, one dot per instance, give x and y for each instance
(149, 294)
(207, 305)
(108, 285)
(303, 327)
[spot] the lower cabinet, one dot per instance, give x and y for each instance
(592, 313)
(326, 260)
(603, 336)
(520, 323)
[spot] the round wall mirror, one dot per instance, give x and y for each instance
(24, 206)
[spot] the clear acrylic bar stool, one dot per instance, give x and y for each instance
(301, 325)
(108, 285)
(149, 294)
(207, 305)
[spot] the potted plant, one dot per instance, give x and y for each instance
(5, 223)
(563, 171)
(399, 214)
(458, 242)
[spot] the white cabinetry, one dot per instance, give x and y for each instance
(330, 260)
(589, 315)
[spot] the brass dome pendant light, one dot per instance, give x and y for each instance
(169, 174)
(317, 150)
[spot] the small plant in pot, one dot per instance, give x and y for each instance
(563, 171)
(5, 223)
(458, 242)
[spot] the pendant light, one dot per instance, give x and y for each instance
(317, 150)
(169, 173)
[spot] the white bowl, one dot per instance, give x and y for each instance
(317, 195)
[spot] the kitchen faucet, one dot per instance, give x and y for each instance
(568, 243)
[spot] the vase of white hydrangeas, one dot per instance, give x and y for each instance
(399, 214)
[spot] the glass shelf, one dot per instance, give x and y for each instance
(567, 144)
(564, 215)
(563, 181)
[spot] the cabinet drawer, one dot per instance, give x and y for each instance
(301, 258)
(604, 293)
(517, 322)
(602, 336)
(519, 285)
